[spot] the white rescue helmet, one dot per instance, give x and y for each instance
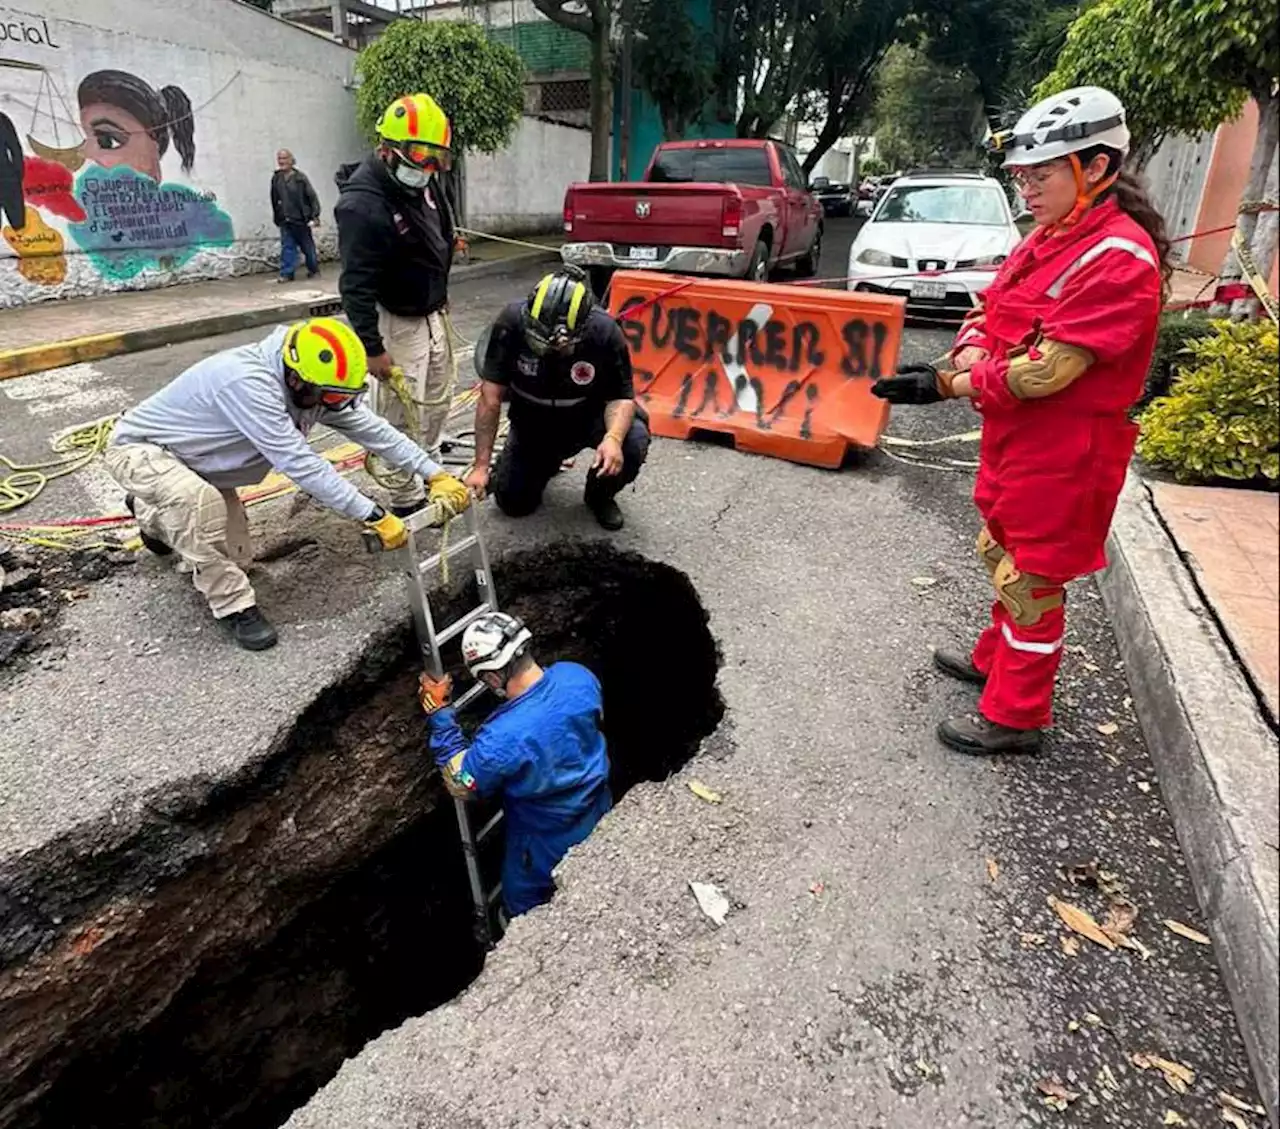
(1062, 124)
(493, 642)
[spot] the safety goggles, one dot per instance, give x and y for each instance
(1034, 176)
(337, 401)
(425, 156)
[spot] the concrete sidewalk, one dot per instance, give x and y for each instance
(1192, 589)
(54, 334)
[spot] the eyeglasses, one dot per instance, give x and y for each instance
(427, 157)
(1035, 177)
(336, 401)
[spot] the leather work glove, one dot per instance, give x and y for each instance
(391, 531)
(434, 693)
(446, 489)
(914, 384)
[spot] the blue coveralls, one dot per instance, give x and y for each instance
(543, 752)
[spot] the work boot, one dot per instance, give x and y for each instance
(403, 512)
(607, 513)
(153, 543)
(958, 667)
(251, 629)
(975, 735)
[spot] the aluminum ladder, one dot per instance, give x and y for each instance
(489, 922)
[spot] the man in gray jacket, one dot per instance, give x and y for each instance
(226, 422)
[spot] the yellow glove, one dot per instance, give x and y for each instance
(450, 491)
(391, 531)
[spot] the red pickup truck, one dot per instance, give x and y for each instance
(737, 208)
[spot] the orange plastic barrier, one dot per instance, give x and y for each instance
(785, 370)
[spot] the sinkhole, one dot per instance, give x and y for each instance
(326, 899)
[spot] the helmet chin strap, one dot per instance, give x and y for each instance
(1085, 196)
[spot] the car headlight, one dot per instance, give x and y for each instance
(989, 260)
(873, 258)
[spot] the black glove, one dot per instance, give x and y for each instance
(912, 384)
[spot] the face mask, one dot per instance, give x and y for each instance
(411, 177)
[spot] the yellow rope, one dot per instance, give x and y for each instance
(548, 247)
(25, 481)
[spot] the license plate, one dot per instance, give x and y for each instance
(645, 254)
(928, 290)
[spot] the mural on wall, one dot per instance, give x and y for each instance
(91, 179)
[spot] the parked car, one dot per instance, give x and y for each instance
(928, 224)
(836, 198)
(734, 208)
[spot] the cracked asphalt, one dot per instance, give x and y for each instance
(890, 959)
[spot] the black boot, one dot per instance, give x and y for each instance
(153, 543)
(977, 736)
(607, 513)
(251, 629)
(958, 667)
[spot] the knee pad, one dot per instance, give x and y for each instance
(990, 550)
(1016, 591)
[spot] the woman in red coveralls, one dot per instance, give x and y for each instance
(1054, 360)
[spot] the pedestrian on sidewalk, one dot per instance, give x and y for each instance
(564, 365)
(296, 209)
(1053, 362)
(226, 422)
(396, 239)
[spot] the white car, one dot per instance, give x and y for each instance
(934, 240)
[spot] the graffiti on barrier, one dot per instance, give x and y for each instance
(91, 178)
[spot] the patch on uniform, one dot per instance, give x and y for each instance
(583, 372)
(527, 365)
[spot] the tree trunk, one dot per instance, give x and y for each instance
(1264, 155)
(1268, 229)
(601, 101)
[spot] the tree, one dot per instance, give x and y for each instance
(479, 83)
(1109, 46)
(594, 19)
(925, 112)
(772, 46)
(674, 63)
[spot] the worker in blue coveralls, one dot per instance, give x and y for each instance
(541, 751)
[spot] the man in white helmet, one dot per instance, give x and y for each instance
(541, 751)
(1054, 361)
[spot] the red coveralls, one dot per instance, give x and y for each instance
(1051, 469)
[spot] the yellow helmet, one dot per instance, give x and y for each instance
(419, 130)
(327, 353)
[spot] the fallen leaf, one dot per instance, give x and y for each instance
(1235, 1103)
(1056, 1095)
(1082, 873)
(924, 581)
(1186, 931)
(1073, 1026)
(700, 790)
(926, 1069)
(1032, 940)
(1108, 1080)
(1234, 1119)
(1080, 921)
(1121, 916)
(993, 869)
(1113, 760)
(1070, 945)
(1093, 1020)
(1178, 1077)
(1172, 1117)
(1144, 787)
(711, 901)
(1092, 668)
(1108, 728)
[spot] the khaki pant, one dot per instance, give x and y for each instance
(205, 526)
(420, 346)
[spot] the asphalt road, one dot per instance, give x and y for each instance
(890, 960)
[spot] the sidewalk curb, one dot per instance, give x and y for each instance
(1216, 761)
(55, 354)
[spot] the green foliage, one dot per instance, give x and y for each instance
(1177, 330)
(477, 82)
(674, 63)
(1111, 45)
(1222, 418)
(926, 113)
(873, 166)
(1229, 43)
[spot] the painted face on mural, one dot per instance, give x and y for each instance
(113, 136)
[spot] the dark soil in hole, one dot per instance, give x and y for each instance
(252, 1034)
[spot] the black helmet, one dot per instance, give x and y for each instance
(556, 311)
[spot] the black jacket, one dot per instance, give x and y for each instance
(396, 247)
(293, 200)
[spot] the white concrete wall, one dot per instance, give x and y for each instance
(255, 84)
(521, 190)
(1176, 175)
(493, 13)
